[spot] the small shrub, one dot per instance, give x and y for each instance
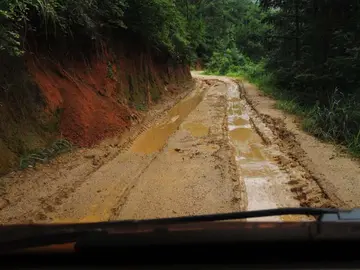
(44, 155)
(140, 107)
(353, 143)
(290, 106)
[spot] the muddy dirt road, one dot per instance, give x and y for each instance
(204, 151)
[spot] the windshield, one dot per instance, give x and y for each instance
(150, 109)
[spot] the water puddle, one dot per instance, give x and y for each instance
(240, 121)
(241, 134)
(156, 137)
(264, 182)
(196, 129)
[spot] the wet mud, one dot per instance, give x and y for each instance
(209, 151)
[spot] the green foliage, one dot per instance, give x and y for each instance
(140, 107)
(228, 61)
(314, 57)
(110, 71)
(56, 18)
(231, 24)
(290, 106)
(160, 23)
(338, 122)
(185, 29)
(235, 64)
(44, 155)
(251, 31)
(312, 52)
(9, 35)
(306, 54)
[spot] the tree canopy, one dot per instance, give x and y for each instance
(186, 29)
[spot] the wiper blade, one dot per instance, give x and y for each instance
(21, 236)
(238, 215)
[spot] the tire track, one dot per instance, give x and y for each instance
(117, 208)
(305, 186)
(48, 204)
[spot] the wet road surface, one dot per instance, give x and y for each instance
(202, 156)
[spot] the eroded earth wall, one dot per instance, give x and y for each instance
(83, 99)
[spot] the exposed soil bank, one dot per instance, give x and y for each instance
(181, 175)
(83, 101)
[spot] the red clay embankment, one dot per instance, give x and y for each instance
(85, 101)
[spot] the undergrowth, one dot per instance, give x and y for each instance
(46, 154)
(338, 121)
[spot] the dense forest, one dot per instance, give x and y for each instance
(186, 29)
(313, 54)
(305, 53)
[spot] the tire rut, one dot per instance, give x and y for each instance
(304, 185)
(50, 203)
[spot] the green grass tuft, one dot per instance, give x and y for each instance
(44, 155)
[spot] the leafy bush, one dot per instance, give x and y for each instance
(229, 61)
(235, 64)
(157, 21)
(338, 122)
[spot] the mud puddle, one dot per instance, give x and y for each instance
(265, 183)
(156, 137)
(196, 129)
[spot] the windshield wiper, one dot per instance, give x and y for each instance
(239, 215)
(24, 236)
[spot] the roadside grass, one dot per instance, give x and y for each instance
(205, 72)
(46, 154)
(290, 106)
(337, 123)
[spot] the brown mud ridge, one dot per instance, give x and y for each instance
(303, 184)
(321, 174)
